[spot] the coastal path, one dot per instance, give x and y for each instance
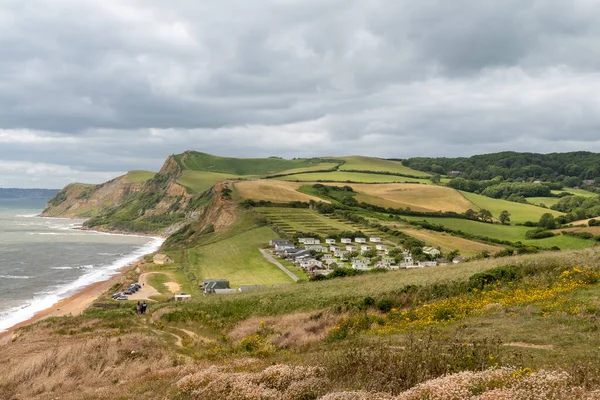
(148, 290)
(272, 260)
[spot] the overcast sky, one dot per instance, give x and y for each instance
(92, 88)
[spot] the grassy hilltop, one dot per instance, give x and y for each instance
(516, 319)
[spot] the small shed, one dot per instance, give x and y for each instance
(162, 259)
(212, 285)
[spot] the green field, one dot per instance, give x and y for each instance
(547, 201)
(578, 192)
(139, 176)
(518, 212)
(201, 181)
(340, 176)
(238, 260)
(292, 220)
(361, 163)
(505, 232)
(316, 167)
(245, 166)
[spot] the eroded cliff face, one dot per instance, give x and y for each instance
(79, 200)
(122, 205)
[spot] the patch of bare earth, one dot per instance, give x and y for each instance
(530, 345)
(293, 330)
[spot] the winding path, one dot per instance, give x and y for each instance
(272, 260)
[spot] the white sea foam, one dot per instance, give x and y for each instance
(27, 216)
(60, 268)
(14, 277)
(37, 304)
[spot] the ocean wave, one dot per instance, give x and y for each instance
(19, 314)
(86, 266)
(60, 268)
(15, 277)
(27, 215)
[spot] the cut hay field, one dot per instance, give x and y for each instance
(292, 220)
(342, 176)
(416, 197)
(506, 232)
(139, 176)
(547, 201)
(519, 212)
(272, 190)
(360, 163)
(595, 230)
(238, 260)
(201, 181)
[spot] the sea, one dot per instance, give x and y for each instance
(43, 260)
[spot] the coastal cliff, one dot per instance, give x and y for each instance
(139, 201)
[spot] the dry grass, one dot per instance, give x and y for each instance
(591, 229)
(271, 190)
(286, 331)
(417, 197)
(43, 365)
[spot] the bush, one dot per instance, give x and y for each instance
(501, 274)
(385, 305)
(539, 233)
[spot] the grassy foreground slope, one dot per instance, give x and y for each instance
(381, 334)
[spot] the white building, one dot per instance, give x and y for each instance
(346, 240)
(432, 251)
(330, 241)
(362, 265)
(311, 262)
(312, 241)
(375, 239)
(351, 247)
(381, 247)
(427, 264)
(360, 240)
(364, 248)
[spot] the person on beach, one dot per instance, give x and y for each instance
(144, 305)
(139, 308)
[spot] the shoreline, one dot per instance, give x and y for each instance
(72, 305)
(81, 298)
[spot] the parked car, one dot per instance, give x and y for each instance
(122, 298)
(114, 296)
(128, 292)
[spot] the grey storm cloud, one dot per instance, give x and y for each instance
(90, 89)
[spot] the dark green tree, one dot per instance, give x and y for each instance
(547, 221)
(504, 217)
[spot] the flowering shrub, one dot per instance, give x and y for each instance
(547, 294)
(278, 382)
(492, 384)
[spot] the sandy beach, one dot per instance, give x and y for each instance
(72, 305)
